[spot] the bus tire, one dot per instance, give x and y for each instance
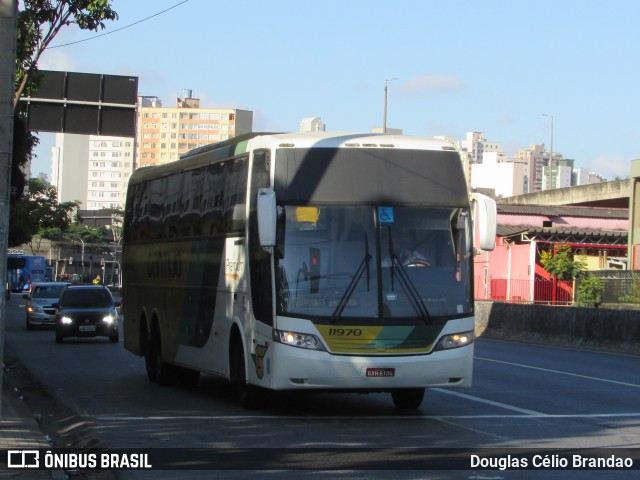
(158, 371)
(248, 395)
(407, 398)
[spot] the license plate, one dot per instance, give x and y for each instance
(380, 372)
(87, 328)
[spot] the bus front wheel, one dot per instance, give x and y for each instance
(408, 398)
(248, 395)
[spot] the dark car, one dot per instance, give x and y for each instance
(40, 309)
(86, 311)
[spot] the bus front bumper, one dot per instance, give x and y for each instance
(291, 368)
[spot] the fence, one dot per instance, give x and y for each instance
(620, 286)
(538, 290)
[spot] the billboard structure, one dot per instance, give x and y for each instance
(83, 103)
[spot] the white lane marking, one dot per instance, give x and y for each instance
(367, 417)
(506, 406)
(560, 372)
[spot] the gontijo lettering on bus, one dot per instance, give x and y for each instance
(164, 264)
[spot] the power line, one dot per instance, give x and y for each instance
(118, 29)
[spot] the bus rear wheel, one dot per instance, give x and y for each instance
(407, 398)
(157, 370)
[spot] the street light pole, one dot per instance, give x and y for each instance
(550, 152)
(386, 88)
(82, 257)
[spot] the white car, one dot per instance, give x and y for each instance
(41, 298)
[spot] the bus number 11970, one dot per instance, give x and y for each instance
(344, 332)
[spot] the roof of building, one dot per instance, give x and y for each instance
(558, 233)
(509, 230)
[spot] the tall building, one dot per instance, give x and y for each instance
(475, 145)
(92, 169)
(472, 149)
(95, 170)
(582, 176)
(537, 157)
(495, 172)
(560, 174)
(164, 133)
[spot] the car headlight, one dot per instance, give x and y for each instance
(66, 320)
(300, 340)
(455, 340)
(109, 319)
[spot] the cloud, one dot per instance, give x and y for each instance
(58, 59)
(423, 84)
(609, 167)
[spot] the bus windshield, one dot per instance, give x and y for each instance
(373, 264)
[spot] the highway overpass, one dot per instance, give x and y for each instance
(613, 194)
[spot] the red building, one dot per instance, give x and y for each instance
(512, 272)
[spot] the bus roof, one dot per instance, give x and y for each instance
(242, 143)
(351, 140)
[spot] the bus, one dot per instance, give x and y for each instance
(25, 269)
(273, 260)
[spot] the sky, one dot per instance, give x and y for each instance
(495, 66)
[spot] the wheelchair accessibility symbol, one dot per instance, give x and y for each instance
(385, 214)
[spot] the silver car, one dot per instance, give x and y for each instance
(40, 309)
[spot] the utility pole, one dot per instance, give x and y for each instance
(8, 18)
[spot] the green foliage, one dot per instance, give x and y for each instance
(633, 294)
(590, 292)
(38, 210)
(562, 264)
(39, 21)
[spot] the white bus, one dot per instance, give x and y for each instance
(328, 262)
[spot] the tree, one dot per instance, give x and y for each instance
(590, 292)
(39, 22)
(562, 263)
(38, 210)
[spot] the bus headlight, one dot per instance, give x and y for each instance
(300, 340)
(455, 340)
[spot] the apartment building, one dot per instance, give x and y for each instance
(537, 158)
(164, 133)
(95, 170)
(92, 169)
(495, 172)
(472, 149)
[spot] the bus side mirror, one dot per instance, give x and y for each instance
(485, 221)
(267, 217)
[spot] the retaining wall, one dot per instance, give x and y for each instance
(608, 329)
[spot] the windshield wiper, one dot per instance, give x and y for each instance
(412, 292)
(407, 285)
(364, 265)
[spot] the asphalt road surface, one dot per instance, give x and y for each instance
(530, 399)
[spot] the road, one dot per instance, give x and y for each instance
(524, 396)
